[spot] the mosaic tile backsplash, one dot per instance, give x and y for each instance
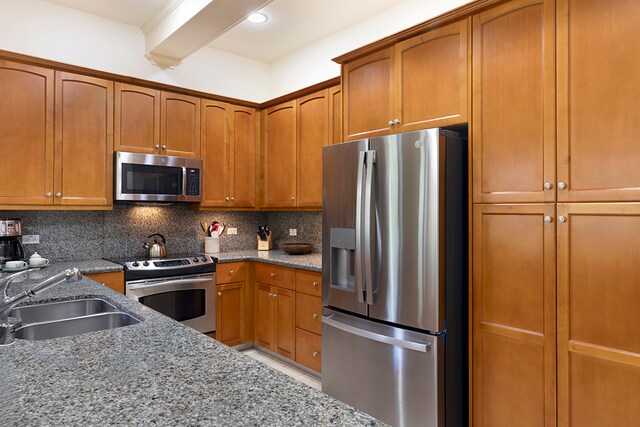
(71, 235)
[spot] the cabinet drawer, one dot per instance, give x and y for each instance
(309, 282)
(308, 313)
(308, 349)
(230, 272)
(275, 275)
(114, 280)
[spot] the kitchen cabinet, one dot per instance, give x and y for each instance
(179, 125)
(112, 280)
(514, 333)
(275, 319)
(598, 317)
(309, 349)
(137, 119)
(598, 88)
(308, 313)
(308, 282)
(276, 275)
(83, 162)
(229, 155)
(230, 304)
(335, 114)
(514, 103)
(26, 134)
(308, 319)
(418, 83)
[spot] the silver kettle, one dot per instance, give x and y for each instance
(156, 249)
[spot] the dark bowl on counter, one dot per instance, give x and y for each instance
(297, 248)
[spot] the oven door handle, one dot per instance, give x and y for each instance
(168, 283)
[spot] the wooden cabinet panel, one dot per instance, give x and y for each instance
(514, 330)
(309, 282)
(335, 115)
(285, 306)
(230, 272)
(279, 156)
(308, 313)
(309, 349)
(26, 134)
(598, 154)
(265, 317)
(431, 78)
(230, 313)
(276, 275)
(83, 140)
(243, 156)
(216, 179)
(598, 319)
(312, 134)
(112, 280)
(514, 103)
(137, 119)
(368, 90)
(179, 125)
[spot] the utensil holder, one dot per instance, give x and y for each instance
(265, 245)
(212, 245)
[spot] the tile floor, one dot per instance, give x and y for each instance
(274, 363)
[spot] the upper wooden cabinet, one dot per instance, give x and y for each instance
(83, 167)
(335, 114)
(26, 134)
(279, 156)
(137, 119)
(598, 89)
(514, 103)
(229, 155)
(179, 125)
(419, 83)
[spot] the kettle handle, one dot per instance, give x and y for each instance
(160, 235)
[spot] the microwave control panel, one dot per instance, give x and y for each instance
(193, 182)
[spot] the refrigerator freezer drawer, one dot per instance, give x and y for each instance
(391, 373)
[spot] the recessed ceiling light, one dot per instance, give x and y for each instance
(257, 18)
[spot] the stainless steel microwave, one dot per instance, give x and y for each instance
(155, 178)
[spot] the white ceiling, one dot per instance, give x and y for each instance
(292, 24)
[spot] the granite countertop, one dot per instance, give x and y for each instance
(311, 262)
(157, 372)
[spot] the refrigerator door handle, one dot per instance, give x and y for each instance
(359, 258)
(369, 224)
(409, 345)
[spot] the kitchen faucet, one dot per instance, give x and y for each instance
(8, 325)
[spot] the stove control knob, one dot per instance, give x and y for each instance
(204, 259)
(146, 263)
(135, 264)
(195, 259)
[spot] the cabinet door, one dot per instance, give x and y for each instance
(514, 333)
(285, 322)
(137, 119)
(230, 313)
(312, 135)
(368, 88)
(83, 140)
(431, 79)
(598, 316)
(335, 115)
(179, 125)
(243, 156)
(279, 156)
(308, 313)
(114, 280)
(26, 134)
(265, 317)
(309, 349)
(514, 103)
(216, 180)
(598, 92)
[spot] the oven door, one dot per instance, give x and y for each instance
(187, 299)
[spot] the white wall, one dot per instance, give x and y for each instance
(313, 63)
(50, 31)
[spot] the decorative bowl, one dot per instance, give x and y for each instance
(297, 248)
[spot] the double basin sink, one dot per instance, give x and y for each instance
(69, 318)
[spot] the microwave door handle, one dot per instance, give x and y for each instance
(359, 258)
(184, 181)
(168, 283)
(369, 226)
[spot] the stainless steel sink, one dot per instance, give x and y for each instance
(74, 326)
(69, 318)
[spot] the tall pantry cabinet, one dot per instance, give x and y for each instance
(556, 218)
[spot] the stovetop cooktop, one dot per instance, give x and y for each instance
(171, 265)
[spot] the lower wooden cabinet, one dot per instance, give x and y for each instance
(275, 319)
(113, 280)
(230, 313)
(309, 349)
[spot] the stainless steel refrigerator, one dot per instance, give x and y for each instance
(395, 325)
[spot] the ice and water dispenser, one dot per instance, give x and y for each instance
(343, 247)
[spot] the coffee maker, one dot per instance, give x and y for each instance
(10, 240)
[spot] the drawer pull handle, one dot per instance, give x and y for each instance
(232, 272)
(219, 294)
(273, 274)
(315, 315)
(315, 284)
(316, 354)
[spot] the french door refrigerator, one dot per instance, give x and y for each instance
(394, 329)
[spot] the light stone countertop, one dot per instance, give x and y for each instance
(158, 372)
(312, 262)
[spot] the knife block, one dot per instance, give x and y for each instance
(265, 245)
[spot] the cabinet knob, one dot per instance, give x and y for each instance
(562, 186)
(562, 219)
(157, 146)
(390, 122)
(164, 147)
(58, 195)
(292, 198)
(316, 354)
(227, 198)
(548, 219)
(272, 274)
(219, 294)
(396, 122)
(49, 194)
(233, 199)
(275, 295)
(315, 284)
(315, 315)
(547, 186)
(232, 272)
